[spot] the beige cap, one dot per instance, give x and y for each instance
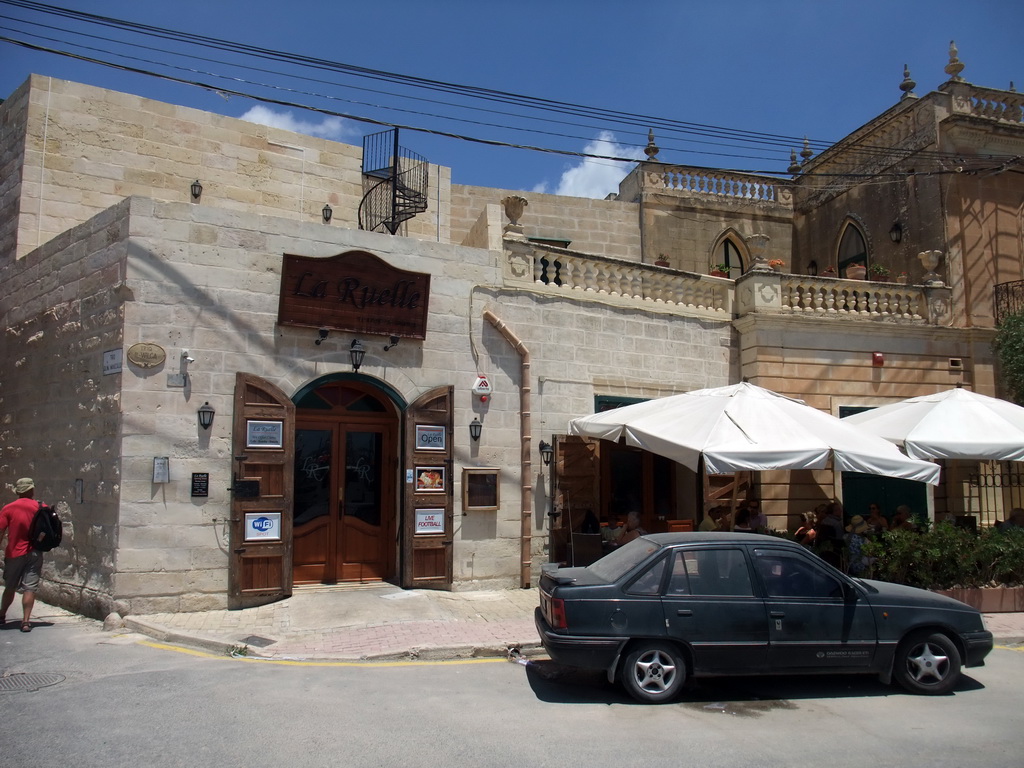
(24, 485)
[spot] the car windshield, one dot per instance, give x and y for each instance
(622, 560)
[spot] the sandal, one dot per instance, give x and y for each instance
(26, 626)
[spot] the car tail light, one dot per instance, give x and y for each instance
(556, 611)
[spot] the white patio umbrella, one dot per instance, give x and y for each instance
(745, 427)
(953, 424)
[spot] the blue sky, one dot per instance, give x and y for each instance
(779, 70)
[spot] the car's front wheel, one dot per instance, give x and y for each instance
(928, 662)
(654, 673)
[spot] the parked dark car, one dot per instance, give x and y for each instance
(670, 606)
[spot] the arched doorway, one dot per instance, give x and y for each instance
(344, 525)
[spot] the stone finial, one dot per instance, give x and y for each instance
(794, 166)
(514, 206)
(908, 85)
(652, 149)
(806, 153)
(955, 66)
(1013, 88)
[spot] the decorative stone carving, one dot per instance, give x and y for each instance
(955, 66)
(930, 260)
(758, 244)
(908, 85)
(514, 206)
(652, 149)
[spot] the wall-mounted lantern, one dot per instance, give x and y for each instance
(206, 413)
(547, 452)
(357, 351)
(196, 189)
(475, 428)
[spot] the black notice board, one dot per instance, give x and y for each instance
(200, 484)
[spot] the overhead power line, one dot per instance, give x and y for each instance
(711, 135)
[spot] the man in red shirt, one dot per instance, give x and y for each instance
(23, 565)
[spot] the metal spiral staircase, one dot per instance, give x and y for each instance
(394, 183)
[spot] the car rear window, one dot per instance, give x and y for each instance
(621, 561)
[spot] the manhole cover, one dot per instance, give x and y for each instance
(28, 681)
(259, 642)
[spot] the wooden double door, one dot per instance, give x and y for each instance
(343, 528)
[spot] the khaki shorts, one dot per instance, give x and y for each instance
(24, 571)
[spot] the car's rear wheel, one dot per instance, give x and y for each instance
(928, 662)
(654, 673)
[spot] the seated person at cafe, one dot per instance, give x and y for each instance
(715, 520)
(631, 530)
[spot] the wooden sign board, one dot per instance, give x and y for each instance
(353, 291)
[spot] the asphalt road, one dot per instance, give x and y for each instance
(107, 700)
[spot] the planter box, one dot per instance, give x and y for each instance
(989, 599)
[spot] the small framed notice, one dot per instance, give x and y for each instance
(430, 437)
(429, 521)
(430, 480)
(200, 484)
(480, 489)
(264, 434)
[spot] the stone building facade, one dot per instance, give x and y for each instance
(129, 303)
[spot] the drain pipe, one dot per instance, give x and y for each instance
(525, 464)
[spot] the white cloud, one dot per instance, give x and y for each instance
(332, 128)
(592, 177)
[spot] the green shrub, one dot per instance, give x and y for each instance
(944, 557)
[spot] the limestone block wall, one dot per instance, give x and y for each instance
(579, 350)
(87, 148)
(61, 309)
(829, 368)
(208, 281)
(13, 118)
(600, 227)
(685, 230)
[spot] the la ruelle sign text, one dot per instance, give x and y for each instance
(353, 291)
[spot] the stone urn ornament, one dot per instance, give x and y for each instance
(514, 206)
(930, 260)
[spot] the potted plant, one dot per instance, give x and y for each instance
(661, 261)
(720, 270)
(879, 272)
(828, 271)
(856, 272)
(776, 264)
(902, 278)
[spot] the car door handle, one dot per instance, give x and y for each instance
(777, 615)
(683, 612)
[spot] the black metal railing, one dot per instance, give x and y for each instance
(394, 183)
(1009, 299)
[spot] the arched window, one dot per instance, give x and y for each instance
(732, 258)
(853, 248)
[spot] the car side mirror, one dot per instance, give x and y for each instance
(849, 593)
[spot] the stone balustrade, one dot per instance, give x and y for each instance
(996, 105)
(585, 277)
(823, 297)
(702, 181)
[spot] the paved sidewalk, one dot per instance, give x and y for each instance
(370, 622)
(382, 622)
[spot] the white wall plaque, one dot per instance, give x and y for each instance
(262, 525)
(429, 521)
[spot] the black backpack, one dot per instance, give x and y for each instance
(46, 530)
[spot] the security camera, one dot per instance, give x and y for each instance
(186, 358)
